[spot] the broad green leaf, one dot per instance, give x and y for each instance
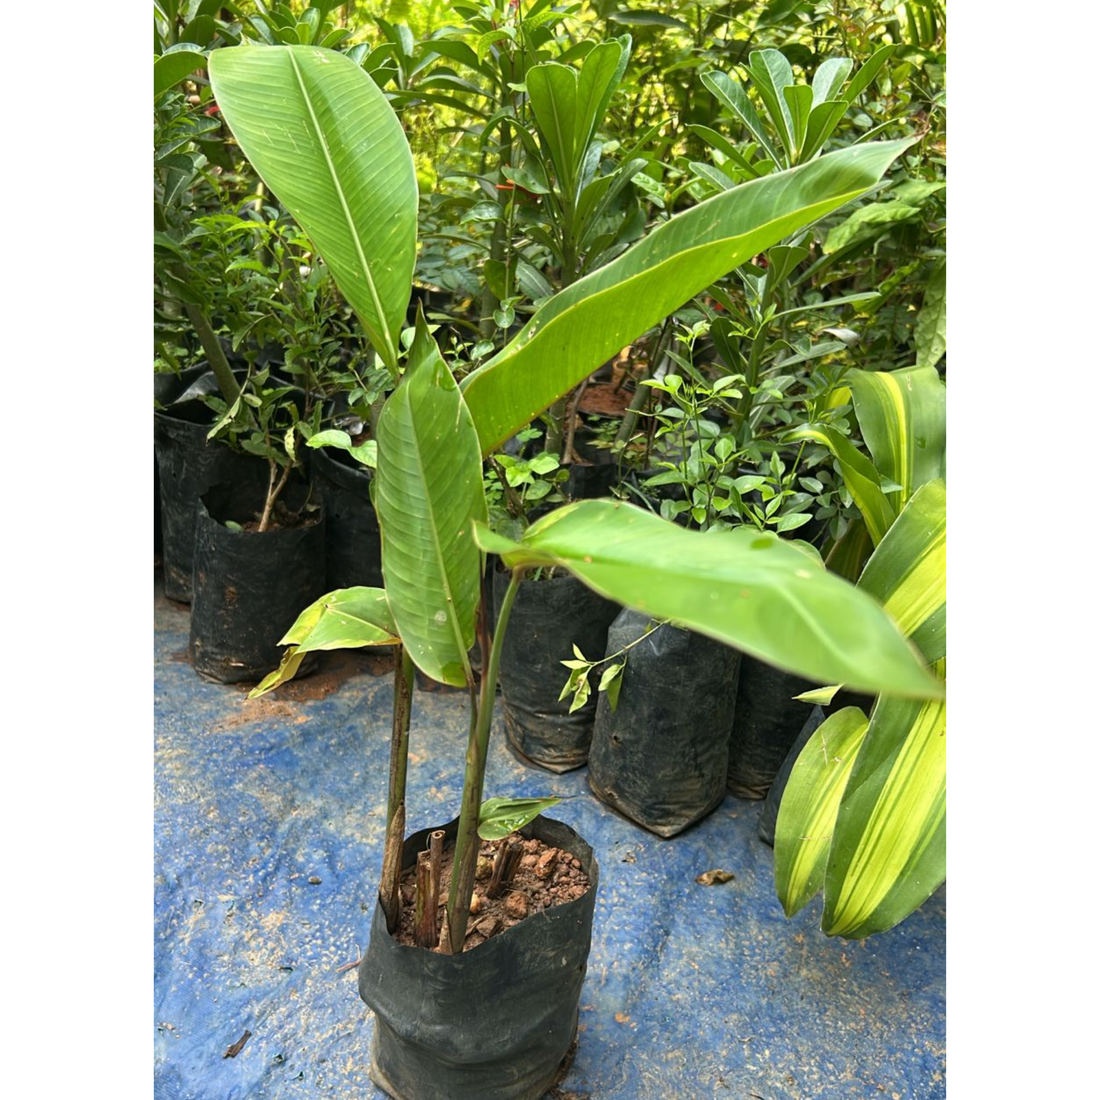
(902, 416)
(867, 72)
(366, 452)
(907, 573)
(552, 89)
(345, 619)
(867, 217)
(584, 325)
(730, 93)
(499, 817)
(428, 488)
(861, 478)
(771, 73)
(889, 849)
(829, 78)
(768, 597)
(321, 134)
(287, 670)
(807, 814)
(172, 66)
(823, 121)
(931, 330)
(600, 74)
(647, 19)
(799, 99)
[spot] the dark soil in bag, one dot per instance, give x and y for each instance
(249, 587)
(766, 723)
(188, 466)
(496, 1022)
(353, 554)
(549, 617)
(660, 758)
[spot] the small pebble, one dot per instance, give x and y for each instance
(314, 880)
(515, 905)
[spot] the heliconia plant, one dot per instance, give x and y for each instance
(326, 142)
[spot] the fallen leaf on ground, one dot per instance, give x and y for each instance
(710, 878)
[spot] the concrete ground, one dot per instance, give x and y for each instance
(692, 991)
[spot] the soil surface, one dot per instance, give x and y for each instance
(605, 399)
(547, 876)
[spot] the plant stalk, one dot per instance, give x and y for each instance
(204, 330)
(464, 868)
(389, 889)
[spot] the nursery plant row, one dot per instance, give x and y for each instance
(595, 355)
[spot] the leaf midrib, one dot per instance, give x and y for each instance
(390, 351)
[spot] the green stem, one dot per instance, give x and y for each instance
(389, 889)
(466, 843)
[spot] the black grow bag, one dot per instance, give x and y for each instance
(493, 1023)
(766, 723)
(189, 466)
(249, 588)
(548, 618)
(660, 758)
(353, 542)
(769, 814)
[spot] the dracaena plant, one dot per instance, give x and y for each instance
(863, 818)
(322, 135)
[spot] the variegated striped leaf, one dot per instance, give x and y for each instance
(861, 478)
(889, 848)
(907, 573)
(902, 416)
(807, 815)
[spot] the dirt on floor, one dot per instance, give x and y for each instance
(546, 876)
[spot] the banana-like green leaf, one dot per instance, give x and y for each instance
(902, 415)
(807, 814)
(889, 849)
(323, 137)
(501, 816)
(428, 489)
(770, 598)
(173, 65)
(584, 325)
(348, 618)
(861, 478)
(931, 329)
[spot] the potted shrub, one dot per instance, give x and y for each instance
(321, 134)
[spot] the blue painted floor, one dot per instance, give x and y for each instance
(692, 991)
